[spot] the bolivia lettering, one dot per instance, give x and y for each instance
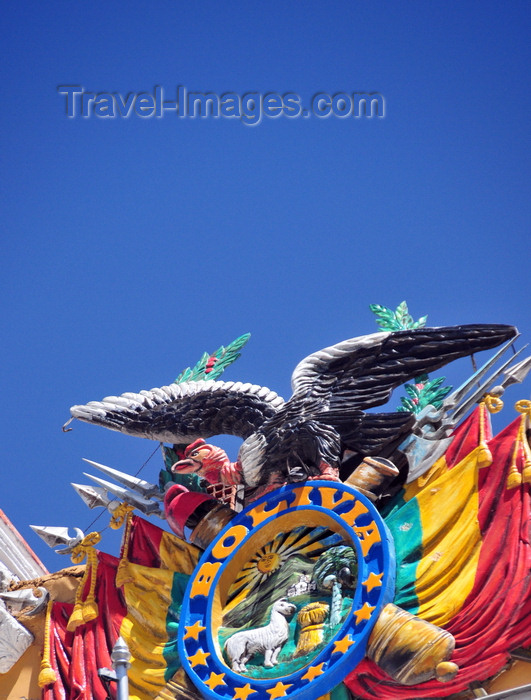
(287, 595)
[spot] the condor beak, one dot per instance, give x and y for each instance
(185, 466)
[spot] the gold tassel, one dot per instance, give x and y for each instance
(493, 403)
(85, 610)
(123, 573)
(120, 515)
(90, 607)
(46, 674)
(524, 407)
(484, 456)
(514, 477)
(76, 618)
(526, 471)
(124, 513)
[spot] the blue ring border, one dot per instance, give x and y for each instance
(380, 558)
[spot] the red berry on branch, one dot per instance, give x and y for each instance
(210, 364)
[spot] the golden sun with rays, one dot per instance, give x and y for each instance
(307, 542)
(269, 563)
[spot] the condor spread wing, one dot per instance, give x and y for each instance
(181, 413)
(362, 372)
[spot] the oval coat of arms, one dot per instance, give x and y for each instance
(283, 601)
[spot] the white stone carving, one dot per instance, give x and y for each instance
(15, 553)
(14, 640)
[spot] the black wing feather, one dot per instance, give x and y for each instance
(362, 372)
(182, 413)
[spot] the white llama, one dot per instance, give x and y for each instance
(268, 640)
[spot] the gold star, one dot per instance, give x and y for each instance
(342, 645)
(313, 672)
(373, 581)
(279, 691)
(199, 658)
(243, 693)
(364, 613)
(192, 632)
(215, 680)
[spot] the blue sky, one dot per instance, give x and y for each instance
(133, 245)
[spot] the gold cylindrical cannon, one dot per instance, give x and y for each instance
(211, 525)
(371, 476)
(409, 649)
